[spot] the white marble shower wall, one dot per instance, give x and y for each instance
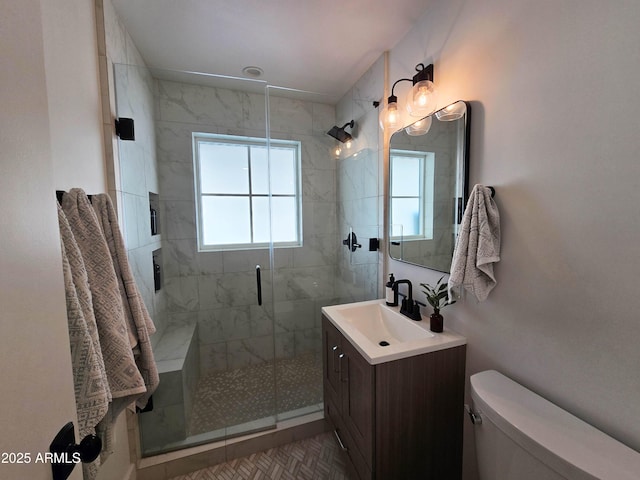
(139, 178)
(360, 191)
(133, 171)
(218, 289)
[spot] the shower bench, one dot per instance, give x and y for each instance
(177, 357)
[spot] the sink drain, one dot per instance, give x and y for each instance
(383, 343)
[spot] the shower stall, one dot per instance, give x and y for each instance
(235, 206)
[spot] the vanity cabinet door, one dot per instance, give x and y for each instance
(358, 401)
(332, 349)
(348, 398)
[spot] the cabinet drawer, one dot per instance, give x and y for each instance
(361, 467)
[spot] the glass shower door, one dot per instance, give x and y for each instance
(312, 274)
(214, 344)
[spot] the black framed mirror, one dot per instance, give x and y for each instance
(428, 186)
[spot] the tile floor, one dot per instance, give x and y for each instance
(317, 457)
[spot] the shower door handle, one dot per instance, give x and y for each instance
(259, 284)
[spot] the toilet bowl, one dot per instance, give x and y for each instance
(521, 436)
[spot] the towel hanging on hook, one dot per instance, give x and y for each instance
(60, 194)
(477, 246)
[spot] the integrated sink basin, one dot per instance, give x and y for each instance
(382, 324)
(381, 334)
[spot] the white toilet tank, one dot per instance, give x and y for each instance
(522, 436)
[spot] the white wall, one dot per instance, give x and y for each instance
(73, 94)
(554, 95)
(37, 394)
(50, 138)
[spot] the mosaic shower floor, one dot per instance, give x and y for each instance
(239, 396)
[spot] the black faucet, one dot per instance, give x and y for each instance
(408, 307)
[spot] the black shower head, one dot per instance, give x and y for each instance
(339, 133)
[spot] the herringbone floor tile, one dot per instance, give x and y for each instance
(315, 458)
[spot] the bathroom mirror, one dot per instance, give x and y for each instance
(428, 187)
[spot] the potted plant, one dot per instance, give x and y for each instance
(438, 297)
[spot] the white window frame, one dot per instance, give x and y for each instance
(426, 197)
(295, 146)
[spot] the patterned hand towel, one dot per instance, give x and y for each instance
(89, 377)
(125, 381)
(477, 247)
(138, 318)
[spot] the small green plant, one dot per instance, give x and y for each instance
(437, 295)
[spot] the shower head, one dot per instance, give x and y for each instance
(339, 133)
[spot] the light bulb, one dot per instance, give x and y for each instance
(422, 99)
(348, 144)
(393, 116)
(421, 96)
(337, 151)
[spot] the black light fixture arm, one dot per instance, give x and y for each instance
(349, 124)
(392, 98)
(424, 73)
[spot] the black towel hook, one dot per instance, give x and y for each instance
(66, 453)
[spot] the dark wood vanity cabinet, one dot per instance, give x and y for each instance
(396, 420)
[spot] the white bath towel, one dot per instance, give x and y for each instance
(138, 319)
(478, 246)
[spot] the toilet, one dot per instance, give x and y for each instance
(521, 436)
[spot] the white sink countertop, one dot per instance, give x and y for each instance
(367, 324)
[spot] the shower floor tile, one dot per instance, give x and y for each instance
(239, 396)
(317, 457)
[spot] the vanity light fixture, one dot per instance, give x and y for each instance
(421, 101)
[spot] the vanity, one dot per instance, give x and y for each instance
(393, 392)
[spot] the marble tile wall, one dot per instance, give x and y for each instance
(218, 288)
(134, 165)
(360, 193)
(138, 178)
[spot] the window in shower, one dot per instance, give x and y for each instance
(412, 194)
(238, 182)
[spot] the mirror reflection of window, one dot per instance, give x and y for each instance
(412, 192)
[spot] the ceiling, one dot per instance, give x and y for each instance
(320, 46)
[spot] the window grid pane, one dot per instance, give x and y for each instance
(233, 191)
(223, 168)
